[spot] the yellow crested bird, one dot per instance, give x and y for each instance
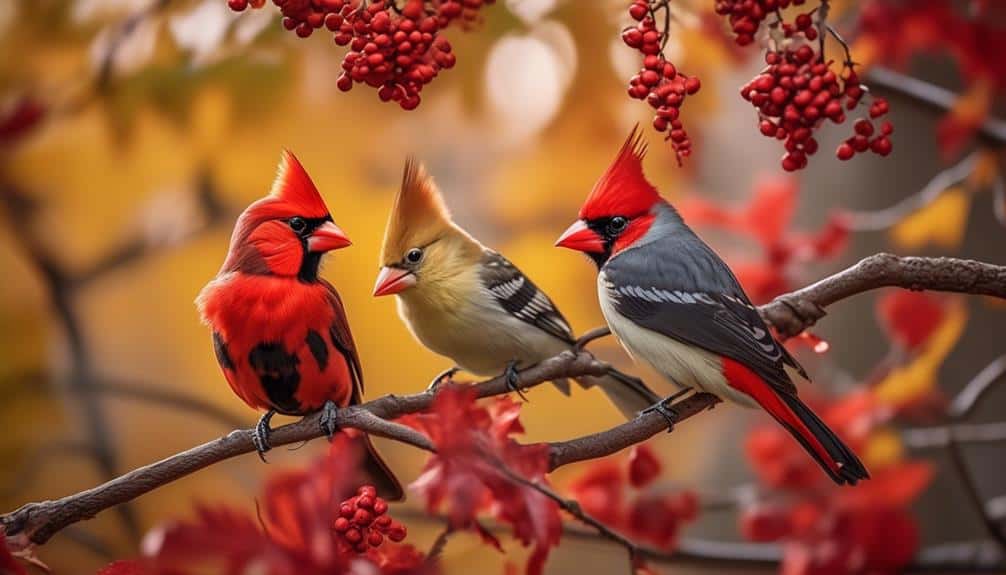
(465, 301)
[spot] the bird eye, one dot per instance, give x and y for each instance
(298, 224)
(617, 224)
(414, 255)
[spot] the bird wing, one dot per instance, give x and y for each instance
(518, 295)
(342, 338)
(693, 297)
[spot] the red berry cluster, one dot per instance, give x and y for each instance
(659, 82)
(363, 521)
(861, 141)
(796, 92)
(397, 51)
(746, 16)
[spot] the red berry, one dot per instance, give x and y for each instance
(639, 10)
(881, 146)
(845, 152)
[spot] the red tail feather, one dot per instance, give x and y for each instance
(837, 460)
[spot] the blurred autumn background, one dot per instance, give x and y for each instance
(133, 131)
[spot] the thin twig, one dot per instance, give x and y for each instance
(886, 218)
(962, 406)
(966, 400)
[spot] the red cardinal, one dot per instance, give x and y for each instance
(673, 302)
(279, 331)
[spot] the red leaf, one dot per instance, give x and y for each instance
(8, 564)
(654, 518)
(910, 317)
(771, 209)
(123, 567)
(468, 473)
(896, 486)
(644, 466)
(779, 461)
(601, 491)
(762, 523)
(19, 119)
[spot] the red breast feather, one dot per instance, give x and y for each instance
(254, 312)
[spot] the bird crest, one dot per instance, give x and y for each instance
(293, 186)
(419, 215)
(623, 188)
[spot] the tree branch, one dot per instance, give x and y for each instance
(991, 130)
(788, 313)
(796, 311)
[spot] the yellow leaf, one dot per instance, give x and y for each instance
(986, 170)
(941, 223)
(883, 449)
(918, 377)
(973, 106)
(864, 51)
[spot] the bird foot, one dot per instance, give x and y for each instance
(513, 380)
(261, 435)
(668, 412)
(446, 376)
(329, 415)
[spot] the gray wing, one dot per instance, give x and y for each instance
(694, 298)
(518, 295)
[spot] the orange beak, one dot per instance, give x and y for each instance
(393, 280)
(327, 237)
(581, 238)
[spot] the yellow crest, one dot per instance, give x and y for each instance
(418, 217)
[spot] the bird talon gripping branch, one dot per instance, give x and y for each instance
(329, 415)
(670, 415)
(513, 379)
(261, 435)
(446, 376)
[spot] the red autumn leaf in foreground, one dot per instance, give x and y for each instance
(644, 467)
(304, 527)
(19, 118)
(468, 474)
(766, 219)
(8, 564)
(654, 516)
(909, 317)
(123, 567)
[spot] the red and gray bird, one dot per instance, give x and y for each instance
(279, 330)
(673, 302)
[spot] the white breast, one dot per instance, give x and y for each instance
(681, 363)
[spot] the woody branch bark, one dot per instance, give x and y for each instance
(790, 314)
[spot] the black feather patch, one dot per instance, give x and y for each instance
(519, 297)
(223, 356)
(319, 349)
(278, 372)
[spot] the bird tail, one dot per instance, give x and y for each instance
(837, 460)
(378, 472)
(629, 394)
